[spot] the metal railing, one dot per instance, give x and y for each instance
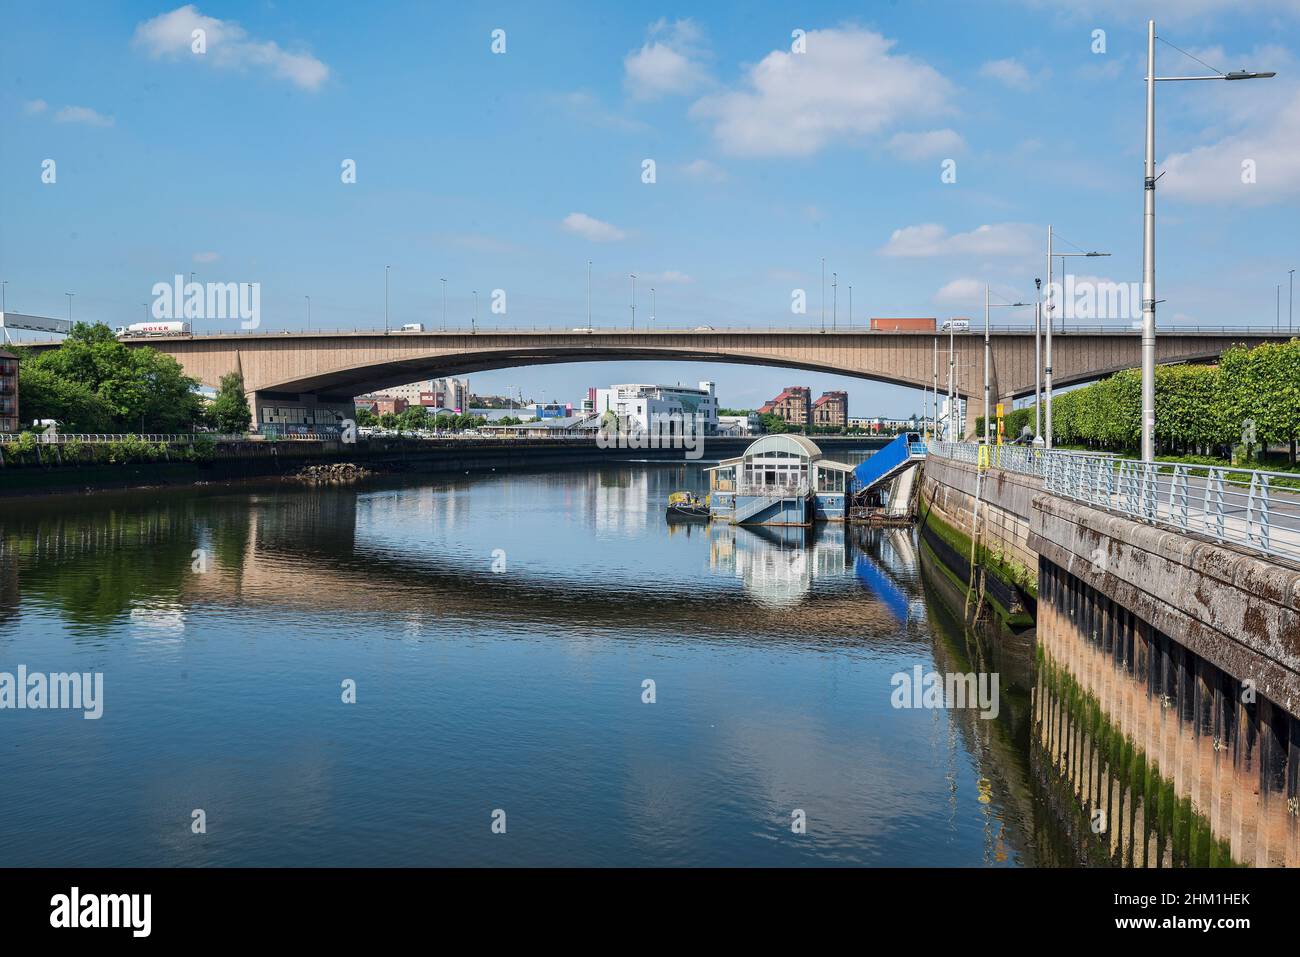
(795, 490)
(62, 438)
(1247, 507)
(1117, 327)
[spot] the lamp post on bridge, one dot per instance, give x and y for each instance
(1050, 308)
(444, 304)
(308, 298)
(1149, 235)
(385, 300)
(988, 351)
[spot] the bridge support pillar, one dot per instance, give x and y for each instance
(299, 412)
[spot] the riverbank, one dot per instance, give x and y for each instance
(238, 461)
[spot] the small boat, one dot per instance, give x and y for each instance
(687, 506)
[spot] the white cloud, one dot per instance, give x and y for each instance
(847, 85)
(667, 65)
(702, 169)
(919, 146)
(593, 229)
(82, 114)
(963, 292)
(1009, 71)
(1268, 136)
(228, 46)
(206, 257)
(35, 106)
(931, 239)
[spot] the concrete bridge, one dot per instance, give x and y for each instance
(328, 368)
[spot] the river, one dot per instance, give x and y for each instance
(537, 652)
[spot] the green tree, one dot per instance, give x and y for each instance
(229, 411)
(141, 389)
(45, 395)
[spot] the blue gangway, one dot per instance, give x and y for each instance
(905, 451)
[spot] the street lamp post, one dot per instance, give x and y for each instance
(308, 298)
(69, 295)
(444, 304)
(385, 300)
(588, 293)
(1051, 321)
(633, 275)
(652, 305)
(1290, 301)
(988, 353)
(1149, 237)
(934, 419)
(835, 300)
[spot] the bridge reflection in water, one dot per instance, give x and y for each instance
(773, 649)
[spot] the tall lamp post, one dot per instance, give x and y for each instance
(1051, 317)
(1149, 236)
(444, 304)
(385, 300)
(633, 275)
(988, 351)
(308, 298)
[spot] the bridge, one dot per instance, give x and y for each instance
(327, 369)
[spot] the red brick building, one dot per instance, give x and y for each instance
(831, 410)
(793, 406)
(8, 392)
(382, 404)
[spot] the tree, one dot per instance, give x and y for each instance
(414, 418)
(364, 416)
(139, 388)
(73, 405)
(229, 409)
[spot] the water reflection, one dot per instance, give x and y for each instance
(515, 682)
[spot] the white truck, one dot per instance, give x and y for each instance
(413, 327)
(956, 325)
(153, 329)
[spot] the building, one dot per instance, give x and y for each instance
(583, 426)
(382, 404)
(432, 393)
(740, 425)
(793, 406)
(638, 406)
(780, 480)
(831, 411)
(8, 392)
(546, 410)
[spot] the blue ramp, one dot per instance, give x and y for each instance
(905, 451)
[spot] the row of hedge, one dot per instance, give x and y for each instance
(28, 449)
(1251, 398)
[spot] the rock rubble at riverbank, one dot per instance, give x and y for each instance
(334, 472)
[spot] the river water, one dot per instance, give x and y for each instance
(502, 632)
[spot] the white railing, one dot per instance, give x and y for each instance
(1247, 507)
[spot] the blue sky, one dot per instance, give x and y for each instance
(510, 171)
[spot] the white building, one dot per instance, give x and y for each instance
(751, 424)
(455, 392)
(638, 406)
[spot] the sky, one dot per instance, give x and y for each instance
(921, 149)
